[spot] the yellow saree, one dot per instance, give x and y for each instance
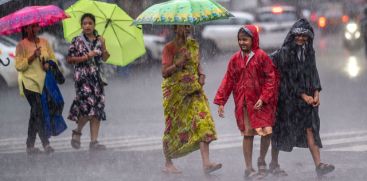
(188, 120)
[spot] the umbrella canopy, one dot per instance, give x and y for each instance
(124, 42)
(42, 15)
(182, 12)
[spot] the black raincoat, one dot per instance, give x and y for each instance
(298, 74)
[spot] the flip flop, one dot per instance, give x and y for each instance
(212, 168)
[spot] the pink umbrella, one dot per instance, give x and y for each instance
(42, 15)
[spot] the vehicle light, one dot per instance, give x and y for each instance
(345, 19)
(352, 27)
(313, 17)
(357, 35)
(322, 22)
(277, 10)
(348, 36)
(352, 67)
(11, 55)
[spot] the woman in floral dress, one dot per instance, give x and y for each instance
(189, 124)
(87, 52)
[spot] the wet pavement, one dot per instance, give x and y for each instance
(135, 124)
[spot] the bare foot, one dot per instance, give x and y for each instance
(170, 168)
(212, 167)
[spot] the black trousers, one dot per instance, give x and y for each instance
(36, 124)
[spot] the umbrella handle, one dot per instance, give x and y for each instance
(5, 64)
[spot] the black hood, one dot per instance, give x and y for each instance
(301, 26)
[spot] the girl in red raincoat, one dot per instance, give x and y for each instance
(252, 78)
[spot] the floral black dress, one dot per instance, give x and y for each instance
(90, 99)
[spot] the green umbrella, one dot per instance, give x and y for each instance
(124, 42)
(182, 12)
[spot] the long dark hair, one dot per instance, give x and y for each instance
(92, 17)
(24, 32)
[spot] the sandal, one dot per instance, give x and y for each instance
(262, 171)
(276, 170)
(324, 168)
(250, 173)
(75, 143)
(95, 146)
(212, 168)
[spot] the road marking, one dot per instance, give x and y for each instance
(337, 141)
(353, 148)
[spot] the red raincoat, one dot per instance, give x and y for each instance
(249, 82)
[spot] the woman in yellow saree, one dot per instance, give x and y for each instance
(188, 121)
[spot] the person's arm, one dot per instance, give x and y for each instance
(105, 53)
(72, 58)
(51, 56)
(276, 58)
(316, 84)
(76, 60)
(201, 75)
(226, 87)
(200, 68)
(168, 65)
(22, 60)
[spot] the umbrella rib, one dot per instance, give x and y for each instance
(95, 4)
(109, 21)
(123, 30)
(122, 20)
(118, 40)
(75, 31)
(193, 22)
(78, 11)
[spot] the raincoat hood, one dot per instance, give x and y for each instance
(301, 26)
(252, 31)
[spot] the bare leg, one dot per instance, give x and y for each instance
(170, 167)
(94, 129)
(274, 156)
(264, 147)
(204, 150)
(207, 165)
(247, 151)
(314, 149)
(81, 123)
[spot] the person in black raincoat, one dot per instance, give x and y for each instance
(297, 119)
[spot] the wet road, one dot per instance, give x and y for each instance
(135, 124)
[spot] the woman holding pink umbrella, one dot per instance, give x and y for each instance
(31, 52)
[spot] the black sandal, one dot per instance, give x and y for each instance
(276, 170)
(75, 143)
(324, 168)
